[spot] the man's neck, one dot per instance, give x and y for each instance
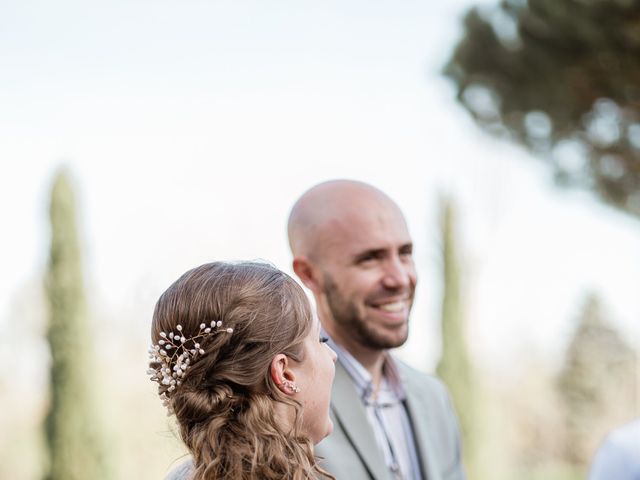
(371, 359)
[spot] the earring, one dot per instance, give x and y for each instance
(288, 384)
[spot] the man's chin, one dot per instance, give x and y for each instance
(387, 339)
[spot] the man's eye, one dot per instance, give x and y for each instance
(408, 251)
(324, 339)
(370, 257)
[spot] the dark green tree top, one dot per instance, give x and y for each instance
(561, 77)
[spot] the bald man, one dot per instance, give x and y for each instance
(351, 247)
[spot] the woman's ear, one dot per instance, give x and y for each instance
(282, 375)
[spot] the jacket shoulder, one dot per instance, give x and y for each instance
(424, 382)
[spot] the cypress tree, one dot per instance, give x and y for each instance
(454, 367)
(72, 433)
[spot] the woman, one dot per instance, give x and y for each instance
(239, 360)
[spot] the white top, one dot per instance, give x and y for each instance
(619, 455)
(184, 471)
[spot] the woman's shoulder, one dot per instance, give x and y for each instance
(182, 471)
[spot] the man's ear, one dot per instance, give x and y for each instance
(282, 374)
(306, 273)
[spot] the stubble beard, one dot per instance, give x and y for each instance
(345, 314)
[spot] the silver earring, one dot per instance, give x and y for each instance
(291, 386)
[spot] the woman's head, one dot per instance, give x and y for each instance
(239, 375)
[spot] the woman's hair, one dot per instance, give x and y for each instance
(224, 396)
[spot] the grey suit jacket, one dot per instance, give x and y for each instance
(351, 452)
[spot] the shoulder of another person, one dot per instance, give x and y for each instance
(183, 471)
(626, 439)
(628, 433)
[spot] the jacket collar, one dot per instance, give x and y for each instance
(350, 413)
(419, 410)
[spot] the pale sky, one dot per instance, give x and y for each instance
(191, 127)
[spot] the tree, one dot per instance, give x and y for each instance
(563, 79)
(74, 440)
(455, 367)
(596, 384)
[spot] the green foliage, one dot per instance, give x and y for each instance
(454, 367)
(73, 437)
(563, 79)
(596, 385)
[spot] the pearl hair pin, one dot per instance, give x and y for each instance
(174, 354)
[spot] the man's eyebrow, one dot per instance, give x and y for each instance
(370, 252)
(406, 246)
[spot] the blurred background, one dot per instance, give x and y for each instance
(140, 139)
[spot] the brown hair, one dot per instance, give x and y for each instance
(224, 404)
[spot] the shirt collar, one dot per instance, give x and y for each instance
(391, 389)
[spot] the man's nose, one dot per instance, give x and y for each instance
(398, 274)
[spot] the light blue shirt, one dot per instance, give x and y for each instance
(618, 458)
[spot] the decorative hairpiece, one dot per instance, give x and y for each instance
(175, 356)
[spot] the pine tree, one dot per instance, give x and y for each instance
(561, 78)
(73, 437)
(597, 383)
(455, 367)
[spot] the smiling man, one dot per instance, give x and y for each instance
(352, 249)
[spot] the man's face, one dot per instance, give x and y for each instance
(369, 279)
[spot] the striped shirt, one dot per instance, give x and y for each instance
(387, 414)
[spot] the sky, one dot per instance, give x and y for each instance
(190, 129)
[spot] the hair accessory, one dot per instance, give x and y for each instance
(174, 354)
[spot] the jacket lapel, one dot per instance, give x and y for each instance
(419, 417)
(350, 413)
